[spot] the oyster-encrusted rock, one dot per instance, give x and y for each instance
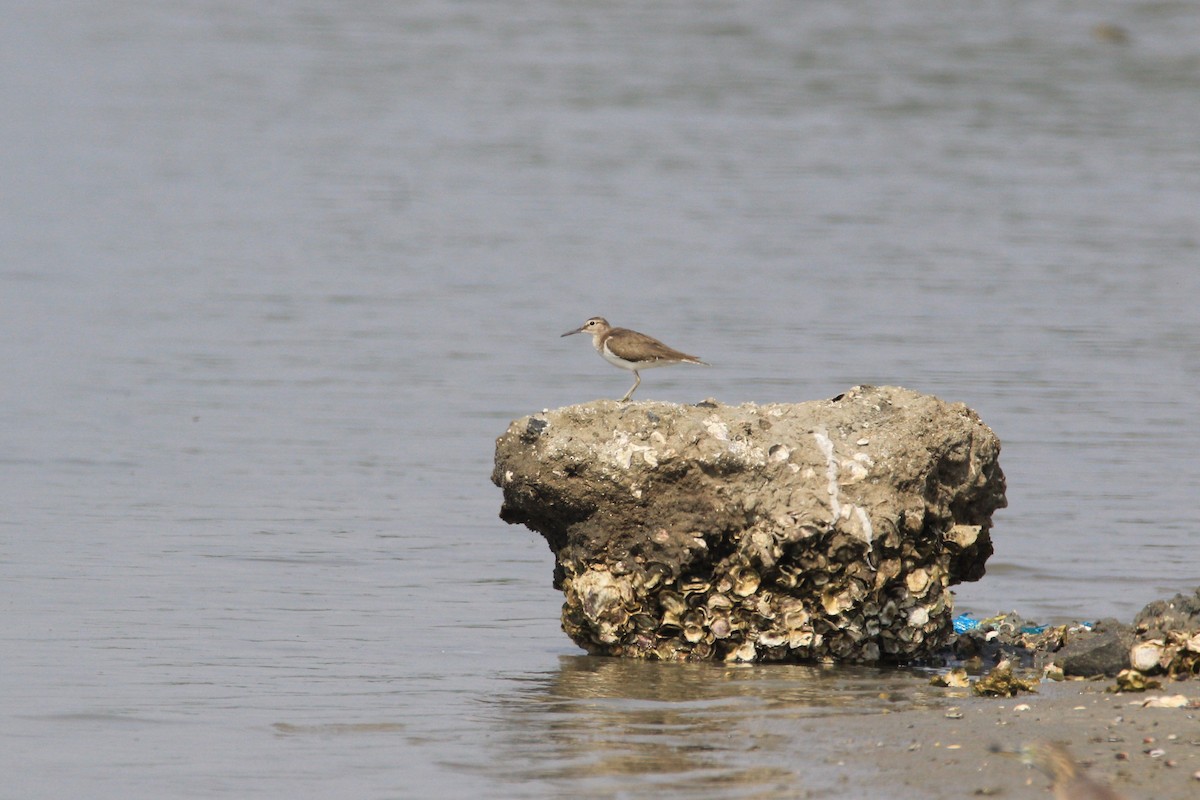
(1168, 633)
(828, 529)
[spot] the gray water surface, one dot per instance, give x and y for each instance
(275, 276)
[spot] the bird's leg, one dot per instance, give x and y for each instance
(636, 383)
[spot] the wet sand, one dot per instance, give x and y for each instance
(935, 753)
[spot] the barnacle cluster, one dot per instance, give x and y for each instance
(721, 624)
(821, 597)
(1174, 653)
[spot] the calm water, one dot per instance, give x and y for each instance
(274, 276)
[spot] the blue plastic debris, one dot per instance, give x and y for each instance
(964, 623)
(1032, 628)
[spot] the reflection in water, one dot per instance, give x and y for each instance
(682, 729)
(337, 728)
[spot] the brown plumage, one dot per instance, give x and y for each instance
(631, 350)
(1070, 781)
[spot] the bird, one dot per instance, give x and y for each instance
(631, 350)
(1070, 781)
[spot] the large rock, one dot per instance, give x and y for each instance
(774, 532)
(1180, 613)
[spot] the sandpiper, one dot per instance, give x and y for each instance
(631, 350)
(1070, 781)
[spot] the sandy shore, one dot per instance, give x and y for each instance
(945, 752)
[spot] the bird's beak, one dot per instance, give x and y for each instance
(568, 333)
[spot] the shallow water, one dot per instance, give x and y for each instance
(275, 277)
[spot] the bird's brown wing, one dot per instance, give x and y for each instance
(638, 347)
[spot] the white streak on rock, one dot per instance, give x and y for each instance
(857, 473)
(831, 472)
(864, 520)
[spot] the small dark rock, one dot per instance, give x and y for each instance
(534, 429)
(1104, 650)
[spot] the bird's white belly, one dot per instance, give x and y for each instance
(632, 366)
